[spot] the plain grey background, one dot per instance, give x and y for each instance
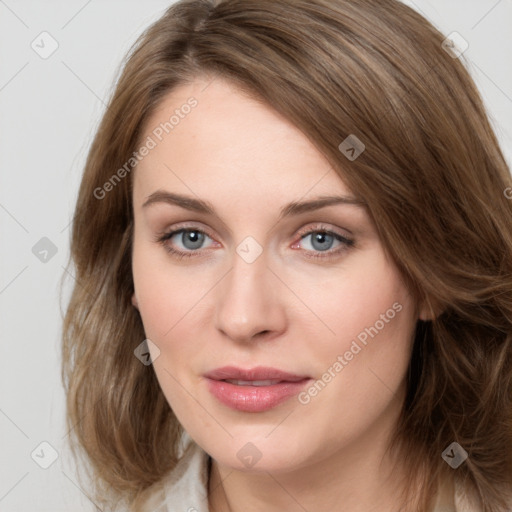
(50, 108)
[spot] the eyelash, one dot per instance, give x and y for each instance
(347, 243)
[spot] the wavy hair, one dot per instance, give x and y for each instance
(433, 177)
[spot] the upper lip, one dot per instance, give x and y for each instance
(253, 374)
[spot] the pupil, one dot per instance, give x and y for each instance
(321, 239)
(194, 239)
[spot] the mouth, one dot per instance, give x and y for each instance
(255, 375)
(253, 382)
(254, 390)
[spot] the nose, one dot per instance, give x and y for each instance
(249, 301)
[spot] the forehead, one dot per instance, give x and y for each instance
(228, 140)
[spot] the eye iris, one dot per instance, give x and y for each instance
(321, 238)
(194, 236)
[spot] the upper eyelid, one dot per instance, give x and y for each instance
(321, 227)
(180, 228)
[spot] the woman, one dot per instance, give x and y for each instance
(297, 211)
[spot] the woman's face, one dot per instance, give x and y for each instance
(256, 282)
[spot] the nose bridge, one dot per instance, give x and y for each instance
(248, 301)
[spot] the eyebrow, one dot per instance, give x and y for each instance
(293, 208)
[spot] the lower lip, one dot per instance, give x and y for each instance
(254, 398)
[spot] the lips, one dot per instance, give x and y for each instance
(256, 390)
(260, 373)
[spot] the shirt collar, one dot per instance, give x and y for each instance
(186, 488)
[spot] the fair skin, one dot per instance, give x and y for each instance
(286, 309)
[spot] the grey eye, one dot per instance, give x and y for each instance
(191, 239)
(320, 241)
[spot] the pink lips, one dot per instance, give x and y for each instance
(254, 395)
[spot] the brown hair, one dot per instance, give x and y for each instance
(433, 177)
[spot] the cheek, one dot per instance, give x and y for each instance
(360, 368)
(363, 357)
(171, 304)
(165, 302)
(368, 297)
(164, 294)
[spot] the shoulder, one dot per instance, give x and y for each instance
(454, 496)
(466, 499)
